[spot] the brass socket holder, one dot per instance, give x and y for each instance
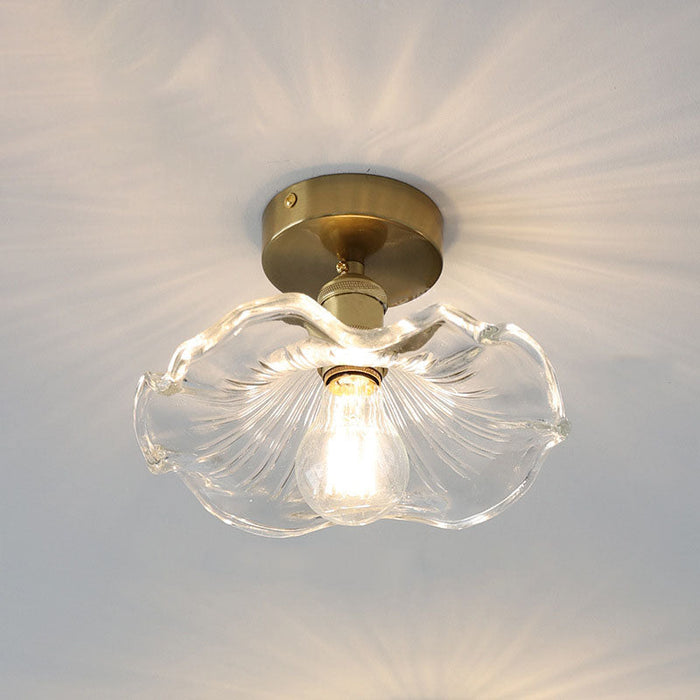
(358, 302)
(355, 300)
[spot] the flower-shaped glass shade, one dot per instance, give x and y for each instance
(477, 406)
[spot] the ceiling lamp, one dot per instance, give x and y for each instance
(289, 414)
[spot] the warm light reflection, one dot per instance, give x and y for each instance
(478, 638)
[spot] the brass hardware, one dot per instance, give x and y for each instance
(353, 223)
(355, 300)
(374, 374)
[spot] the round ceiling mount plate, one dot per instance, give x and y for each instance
(391, 227)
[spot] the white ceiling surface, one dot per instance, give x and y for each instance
(139, 144)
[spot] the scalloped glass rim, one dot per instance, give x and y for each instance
(399, 347)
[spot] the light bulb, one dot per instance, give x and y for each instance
(351, 466)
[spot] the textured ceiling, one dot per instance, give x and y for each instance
(139, 143)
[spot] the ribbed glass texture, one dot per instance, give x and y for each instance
(476, 405)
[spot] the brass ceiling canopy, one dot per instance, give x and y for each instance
(383, 228)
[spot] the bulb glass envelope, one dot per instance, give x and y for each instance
(476, 405)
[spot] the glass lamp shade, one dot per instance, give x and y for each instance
(456, 432)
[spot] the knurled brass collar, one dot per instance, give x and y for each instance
(349, 283)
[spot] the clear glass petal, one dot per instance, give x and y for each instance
(477, 406)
